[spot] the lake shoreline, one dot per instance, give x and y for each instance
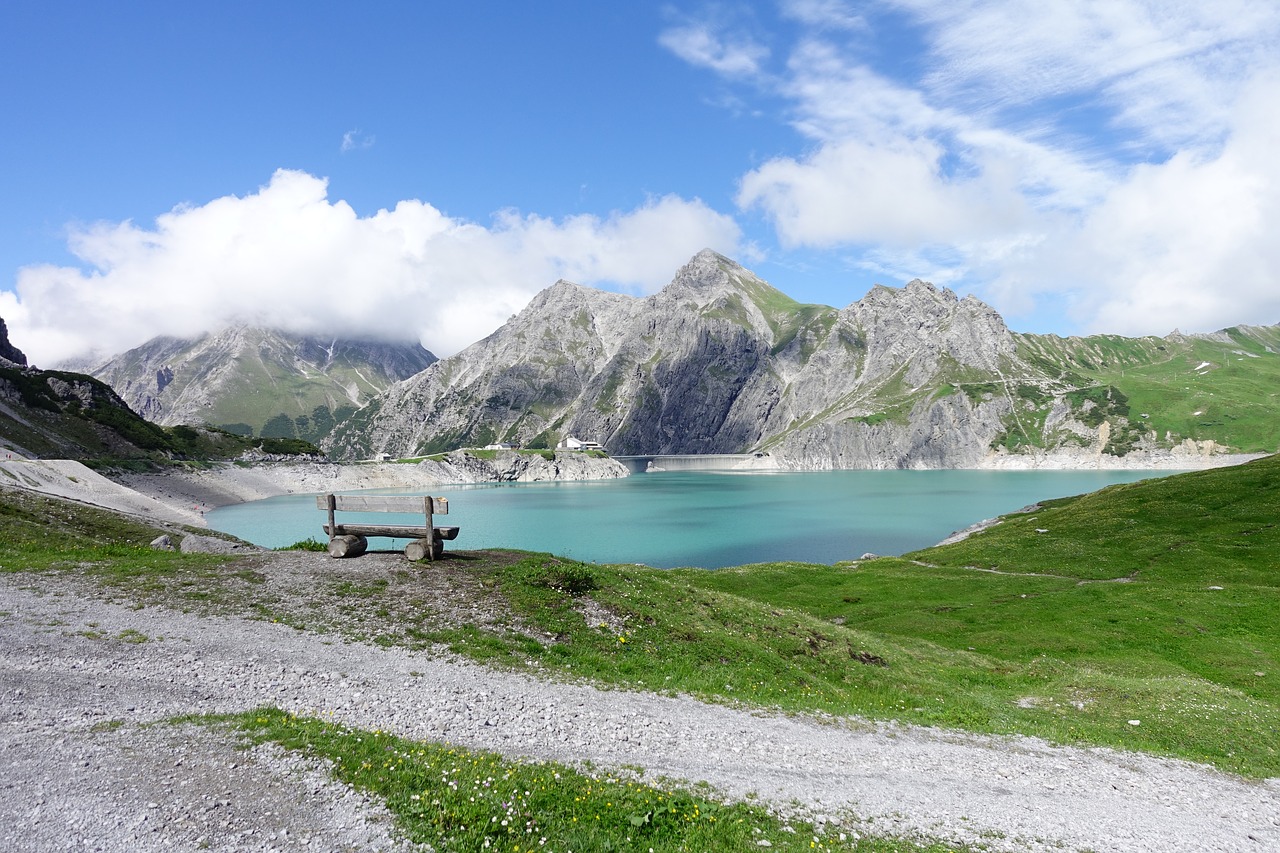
(714, 518)
(227, 483)
(185, 494)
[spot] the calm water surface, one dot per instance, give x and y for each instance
(703, 518)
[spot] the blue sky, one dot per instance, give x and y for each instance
(420, 170)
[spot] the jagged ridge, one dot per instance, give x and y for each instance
(721, 362)
(717, 362)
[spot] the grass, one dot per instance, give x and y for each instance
(459, 799)
(312, 544)
(40, 534)
(1221, 389)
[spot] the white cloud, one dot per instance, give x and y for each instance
(1186, 243)
(354, 140)
(701, 44)
(865, 193)
(287, 256)
(1116, 156)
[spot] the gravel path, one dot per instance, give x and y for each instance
(80, 770)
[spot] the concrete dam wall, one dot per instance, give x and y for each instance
(693, 462)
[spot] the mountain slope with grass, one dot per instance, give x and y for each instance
(256, 381)
(61, 415)
(719, 361)
(1222, 387)
(58, 414)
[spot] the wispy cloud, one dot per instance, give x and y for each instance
(287, 256)
(825, 14)
(1113, 148)
(715, 46)
(1167, 70)
(356, 140)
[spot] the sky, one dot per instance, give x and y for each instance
(419, 170)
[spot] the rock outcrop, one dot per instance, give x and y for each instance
(461, 466)
(10, 356)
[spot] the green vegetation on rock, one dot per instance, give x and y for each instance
(1224, 387)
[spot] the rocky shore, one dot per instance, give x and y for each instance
(183, 495)
(229, 483)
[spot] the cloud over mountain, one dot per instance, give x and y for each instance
(289, 257)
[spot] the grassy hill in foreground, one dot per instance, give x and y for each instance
(1151, 602)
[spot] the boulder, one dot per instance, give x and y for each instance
(8, 352)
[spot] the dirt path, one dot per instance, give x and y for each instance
(78, 769)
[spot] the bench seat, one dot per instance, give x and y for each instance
(396, 531)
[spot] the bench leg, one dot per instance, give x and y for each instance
(347, 546)
(424, 549)
(419, 549)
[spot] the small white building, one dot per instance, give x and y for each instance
(571, 443)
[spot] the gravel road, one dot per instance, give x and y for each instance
(81, 770)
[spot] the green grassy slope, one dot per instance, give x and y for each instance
(1153, 601)
(1224, 387)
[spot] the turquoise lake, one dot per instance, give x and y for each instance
(704, 518)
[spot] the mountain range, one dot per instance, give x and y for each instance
(257, 381)
(60, 414)
(719, 361)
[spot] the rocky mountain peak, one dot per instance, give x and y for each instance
(920, 325)
(8, 352)
(707, 276)
(563, 295)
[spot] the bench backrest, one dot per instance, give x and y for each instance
(384, 503)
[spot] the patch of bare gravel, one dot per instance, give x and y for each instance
(81, 769)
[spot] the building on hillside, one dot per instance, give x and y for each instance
(571, 443)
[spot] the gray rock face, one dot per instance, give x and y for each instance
(717, 362)
(511, 467)
(246, 375)
(8, 352)
(721, 362)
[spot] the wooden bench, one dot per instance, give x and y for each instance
(348, 540)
